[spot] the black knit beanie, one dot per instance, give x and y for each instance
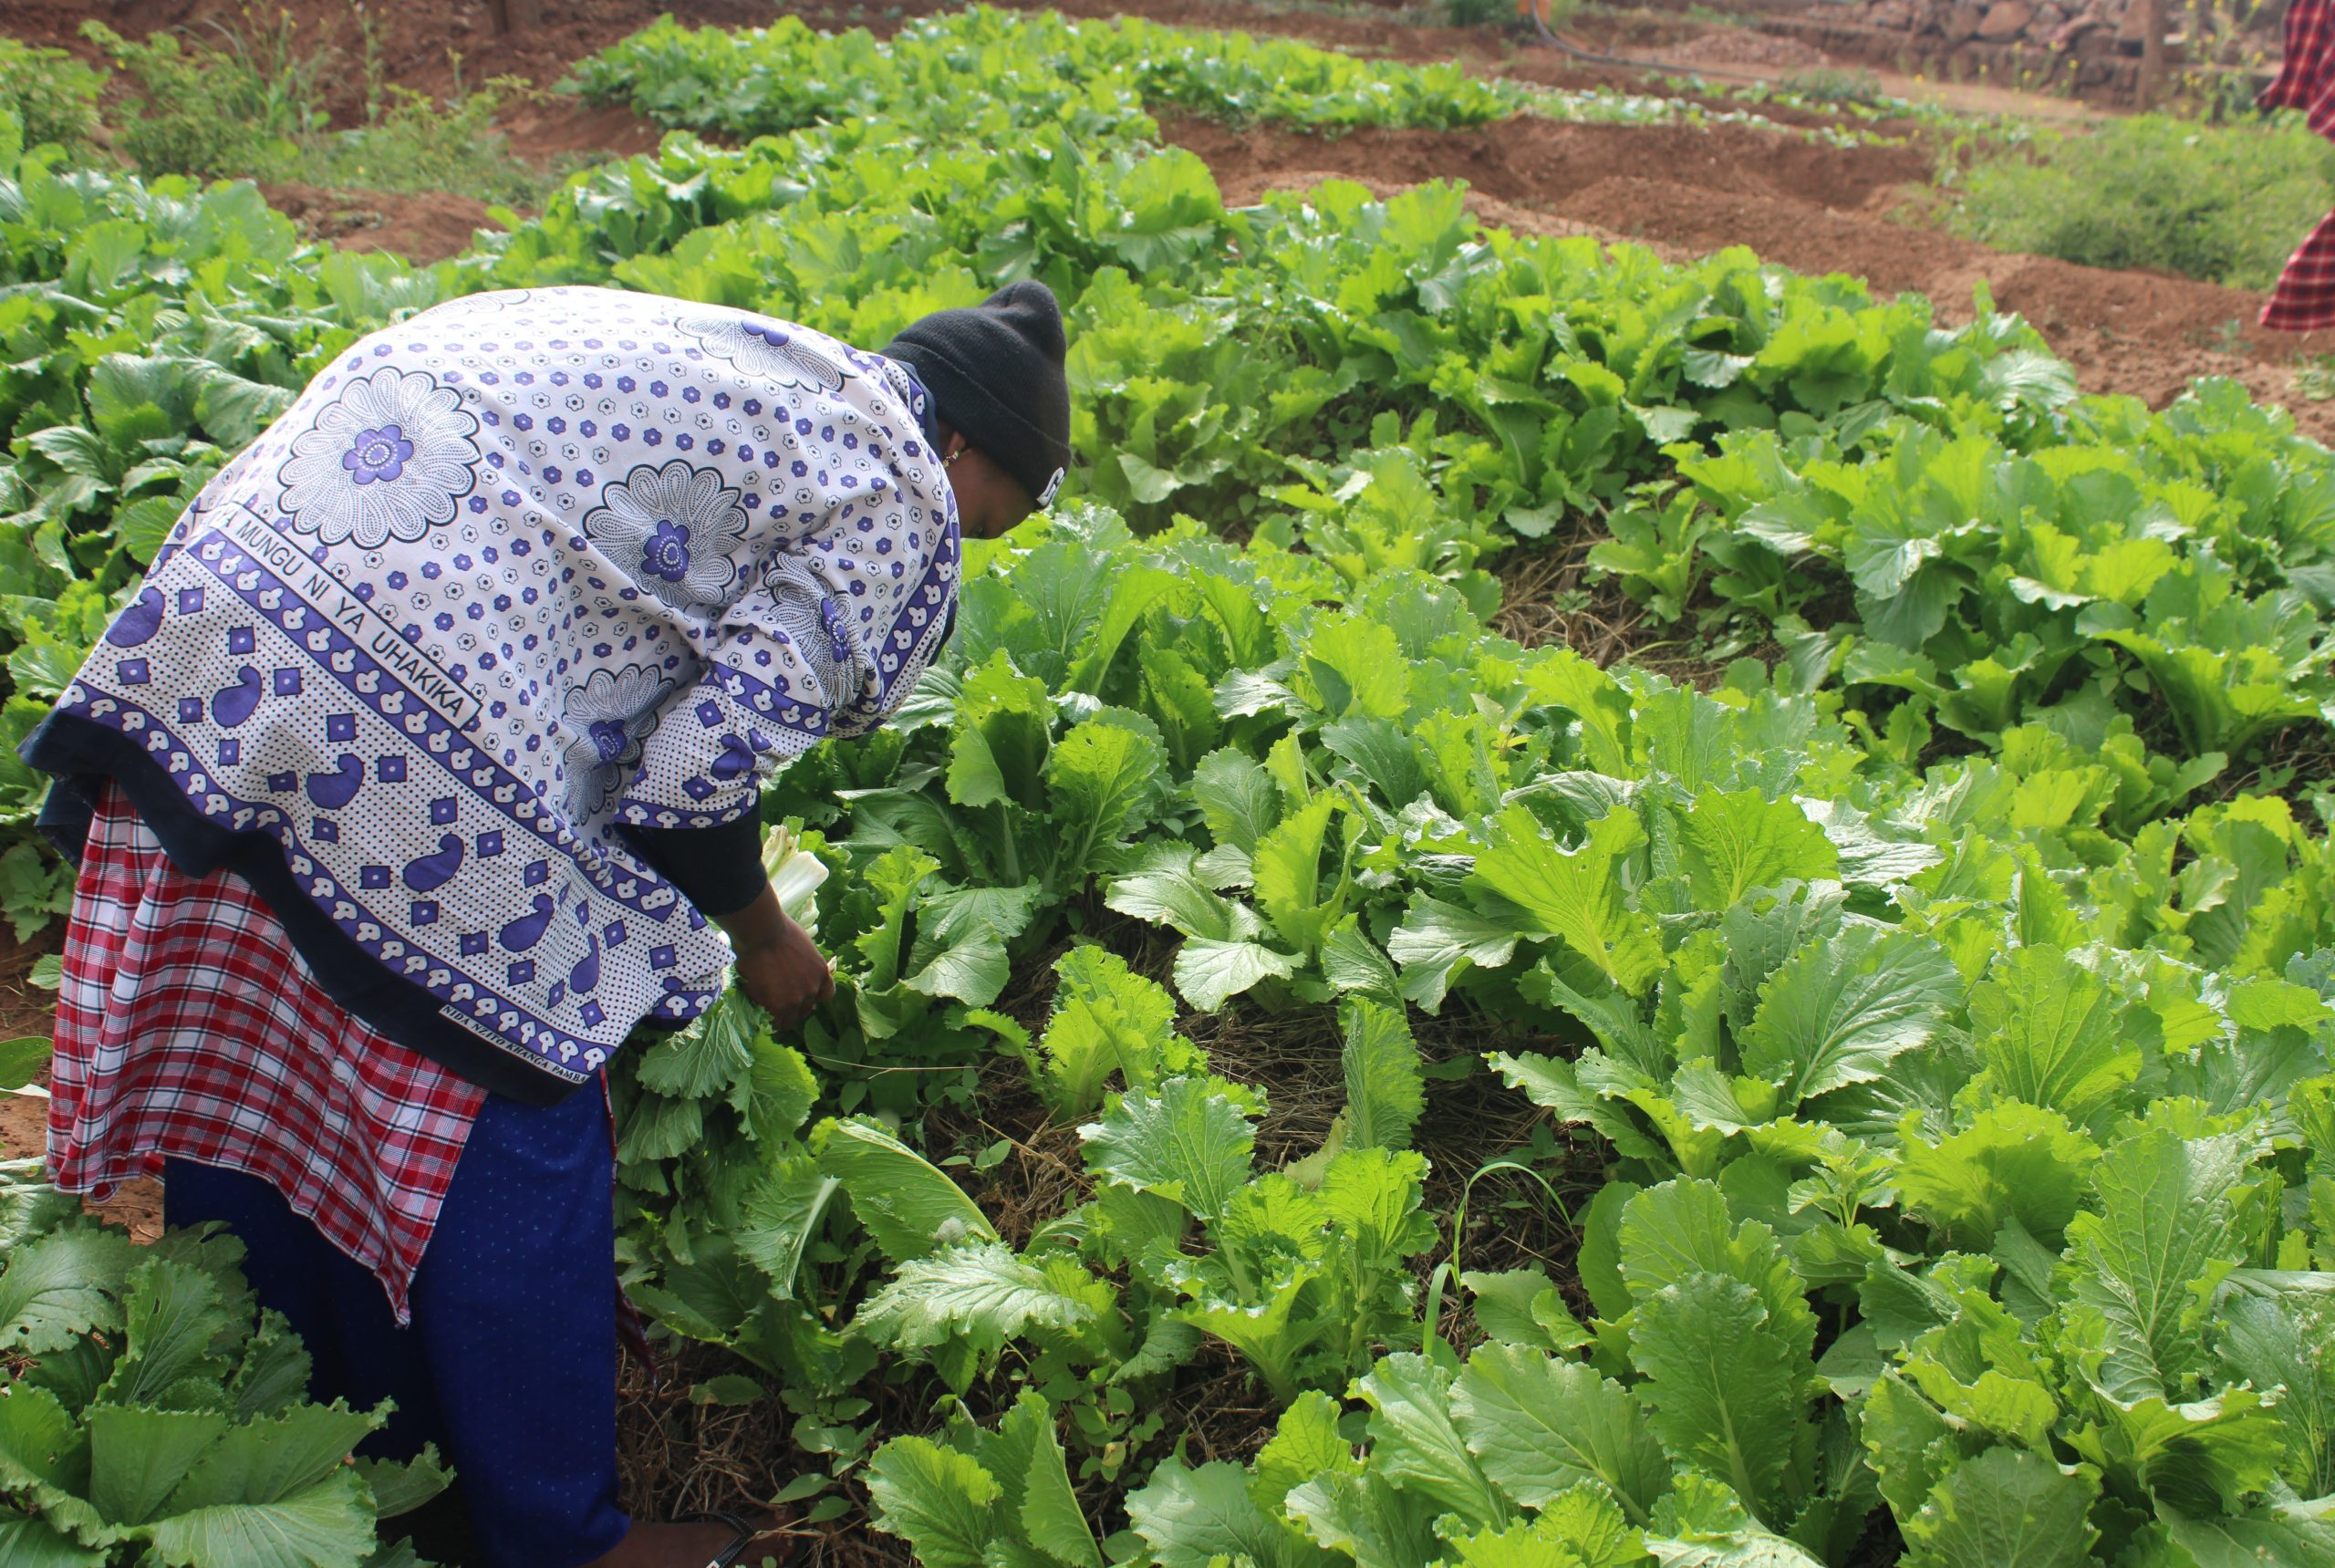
(995, 374)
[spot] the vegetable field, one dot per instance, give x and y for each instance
(1315, 1080)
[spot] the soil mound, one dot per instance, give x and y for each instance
(422, 228)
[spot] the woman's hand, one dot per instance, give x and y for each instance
(780, 968)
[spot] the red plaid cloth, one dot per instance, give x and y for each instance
(2307, 75)
(187, 1026)
(2304, 300)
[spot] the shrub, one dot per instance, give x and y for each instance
(53, 95)
(253, 109)
(421, 144)
(2226, 204)
(215, 113)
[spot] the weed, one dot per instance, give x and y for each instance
(2226, 203)
(1830, 85)
(253, 108)
(208, 112)
(420, 144)
(1479, 12)
(53, 95)
(2315, 377)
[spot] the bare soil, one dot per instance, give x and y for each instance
(425, 227)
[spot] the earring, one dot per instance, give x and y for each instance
(951, 460)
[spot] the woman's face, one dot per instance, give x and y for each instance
(989, 500)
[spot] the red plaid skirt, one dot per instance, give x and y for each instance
(2304, 300)
(188, 1027)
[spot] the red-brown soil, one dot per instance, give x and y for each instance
(418, 38)
(423, 228)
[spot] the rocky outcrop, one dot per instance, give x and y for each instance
(2087, 47)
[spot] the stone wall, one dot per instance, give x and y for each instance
(2089, 46)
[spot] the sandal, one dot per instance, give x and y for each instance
(733, 1554)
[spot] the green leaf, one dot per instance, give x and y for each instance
(908, 1205)
(1305, 1443)
(978, 1292)
(2260, 1538)
(1737, 842)
(1364, 1520)
(1204, 1516)
(1237, 799)
(1581, 1528)
(1288, 870)
(1576, 896)
(1909, 1443)
(61, 1286)
(2288, 1343)
(1385, 1091)
(782, 1214)
(1372, 1197)
(327, 1525)
(1565, 680)
(1107, 1018)
(1436, 939)
(174, 1315)
(714, 1051)
(1167, 887)
(1100, 776)
(1555, 1083)
(1209, 973)
(272, 1460)
(1354, 966)
(2004, 1508)
(137, 1456)
(1721, 1383)
(1540, 1425)
(1050, 1514)
(1357, 665)
(1415, 1444)
(1703, 1524)
(1260, 1325)
(400, 1488)
(959, 948)
(1838, 1011)
(2164, 1233)
(1671, 1232)
(2014, 1162)
(22, 1061)
(2202, 1456)
(31, 1542)
(1523, 1307)
(40, 1442)
(1187, 1143)
(939, 1499)
(2051, 1034)
(998, 747)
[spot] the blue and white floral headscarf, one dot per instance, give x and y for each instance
(516, 570)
